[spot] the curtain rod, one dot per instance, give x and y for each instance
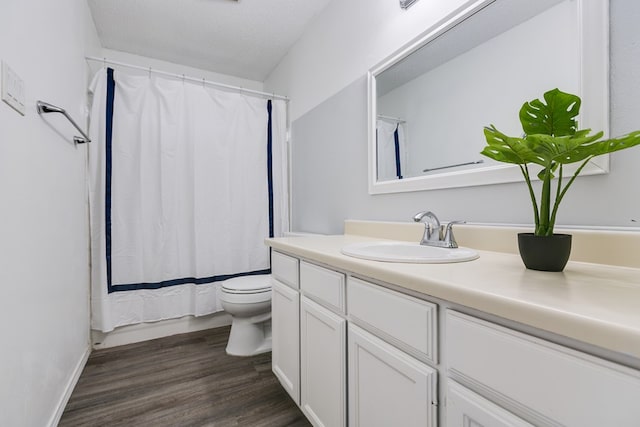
(391, 119)
(187, 78)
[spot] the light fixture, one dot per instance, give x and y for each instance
(405, 4)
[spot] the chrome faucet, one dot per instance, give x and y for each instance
(434, 233)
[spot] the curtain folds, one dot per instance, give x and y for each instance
(180, 193)
(392, 151)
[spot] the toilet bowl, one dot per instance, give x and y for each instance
(248, 300)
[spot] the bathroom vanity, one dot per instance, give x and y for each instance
(485, 342)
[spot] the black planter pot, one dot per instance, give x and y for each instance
(544, 253)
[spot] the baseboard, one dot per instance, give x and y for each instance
(64, 399)
(152, 330)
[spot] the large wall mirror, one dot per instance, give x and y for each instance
(429, 102)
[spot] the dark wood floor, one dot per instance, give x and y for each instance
(184, 380)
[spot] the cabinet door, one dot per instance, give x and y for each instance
(322, 365)
(387, 387)
(285, 311)
(467, 409)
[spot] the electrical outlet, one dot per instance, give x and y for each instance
(13, 89)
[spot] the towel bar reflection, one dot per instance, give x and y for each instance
(476, 162)
(44, 107)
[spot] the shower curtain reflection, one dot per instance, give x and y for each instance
(185, 184)
(391, 148)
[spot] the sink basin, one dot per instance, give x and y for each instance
(408, 252)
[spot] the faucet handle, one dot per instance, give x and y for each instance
(432, 228)
(449, 239)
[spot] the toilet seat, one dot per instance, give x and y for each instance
(247, 285)
(247, 298)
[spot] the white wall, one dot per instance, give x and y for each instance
(44, 273)
(324, 75)
(347, 39)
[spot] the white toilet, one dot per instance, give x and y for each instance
(248, 300)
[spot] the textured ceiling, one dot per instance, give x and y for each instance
(245, 38)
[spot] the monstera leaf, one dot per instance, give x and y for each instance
(507, 149)
(555, 118)
(551, 140)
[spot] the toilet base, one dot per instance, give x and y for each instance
(249, 336)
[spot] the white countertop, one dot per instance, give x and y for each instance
(593, 303)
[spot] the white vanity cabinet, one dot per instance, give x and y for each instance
(546, 383)
(322, 365)
(388, 386)
(353, 352)
(285, 323)
(309, 338)
(323, 344)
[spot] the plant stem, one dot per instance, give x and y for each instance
(556, 203)
(566, 187)
(545, 201)
(534, 202)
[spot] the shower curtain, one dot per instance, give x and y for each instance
(392, 153)
(186, 182)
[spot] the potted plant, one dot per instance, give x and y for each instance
(551, 140)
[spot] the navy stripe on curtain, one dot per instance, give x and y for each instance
(185, 280)
(396, 140)
(111, 86)
(270, 166)
(108, 171)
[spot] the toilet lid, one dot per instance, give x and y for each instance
(247, 284)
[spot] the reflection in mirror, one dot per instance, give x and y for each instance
(392, 150)
(430, 102)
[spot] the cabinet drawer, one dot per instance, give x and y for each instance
(465, 408)
(285, 269)
(404, 321)
(323, 285)
(548, 383)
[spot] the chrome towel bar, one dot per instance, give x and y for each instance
(44, 107)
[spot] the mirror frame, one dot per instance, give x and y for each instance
(593, 25)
